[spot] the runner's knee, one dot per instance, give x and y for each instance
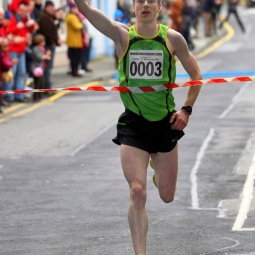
(167, 197)
(138, 194)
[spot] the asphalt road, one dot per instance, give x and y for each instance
(62, 190)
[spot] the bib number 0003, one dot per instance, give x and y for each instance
(146, 69)
(144, 64)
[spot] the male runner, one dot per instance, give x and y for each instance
(149, 127)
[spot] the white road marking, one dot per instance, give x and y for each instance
(82, 146)
(248, 31)
(246, 198)
(1, 177)
(193, 174)
(235, 100)
(233, 246)
(220, 210)
(203, 209)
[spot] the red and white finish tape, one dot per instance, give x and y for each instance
(143, 89)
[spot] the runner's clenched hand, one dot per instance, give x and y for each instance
(180, 120)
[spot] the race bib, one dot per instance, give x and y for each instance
(145, 64)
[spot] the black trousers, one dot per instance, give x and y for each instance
(38, 84)
(85, 56)
(237, 18)
(74, 54)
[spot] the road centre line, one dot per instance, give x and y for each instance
(193, 174)
(247, 196)
(234, 100)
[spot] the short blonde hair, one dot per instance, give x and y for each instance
(37, 39)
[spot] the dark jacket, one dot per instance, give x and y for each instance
(232, 5)
(37, 11)
(48, 29)
(208, 5)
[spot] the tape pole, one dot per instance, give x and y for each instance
(141, 89)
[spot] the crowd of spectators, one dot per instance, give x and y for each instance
(29, 35)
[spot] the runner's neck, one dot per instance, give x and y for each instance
(147, 30)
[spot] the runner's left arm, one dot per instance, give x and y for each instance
(180, 49)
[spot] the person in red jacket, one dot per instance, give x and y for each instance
(2, 28)
(19, 27)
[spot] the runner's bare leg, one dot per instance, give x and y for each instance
(135, 163)
(166, 169)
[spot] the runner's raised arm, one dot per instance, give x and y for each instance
(100, 21)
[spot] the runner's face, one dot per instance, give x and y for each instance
(146, 10)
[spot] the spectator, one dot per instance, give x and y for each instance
(28, 57)
(215, 14)
(39, 55)
(5, 70)
(118, 17)
(232, 8)
(207, 9)
(175, 12)
(58, 16)
(6, 22)
(185, 25)
(85, 53)
(74, 38)
(19, 27)
(37, 9)
(125, 7)
(30, 10)
(5, 17)
(2, 29)
(48, 28)
(163, 17)
(195, 15)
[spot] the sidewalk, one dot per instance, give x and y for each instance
(103, 69)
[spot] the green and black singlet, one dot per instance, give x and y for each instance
(148, 62)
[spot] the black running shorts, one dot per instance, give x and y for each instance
(150, 136)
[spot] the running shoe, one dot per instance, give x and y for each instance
(154, 175)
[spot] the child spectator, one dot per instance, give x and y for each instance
(39, 55)
(5, 70)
